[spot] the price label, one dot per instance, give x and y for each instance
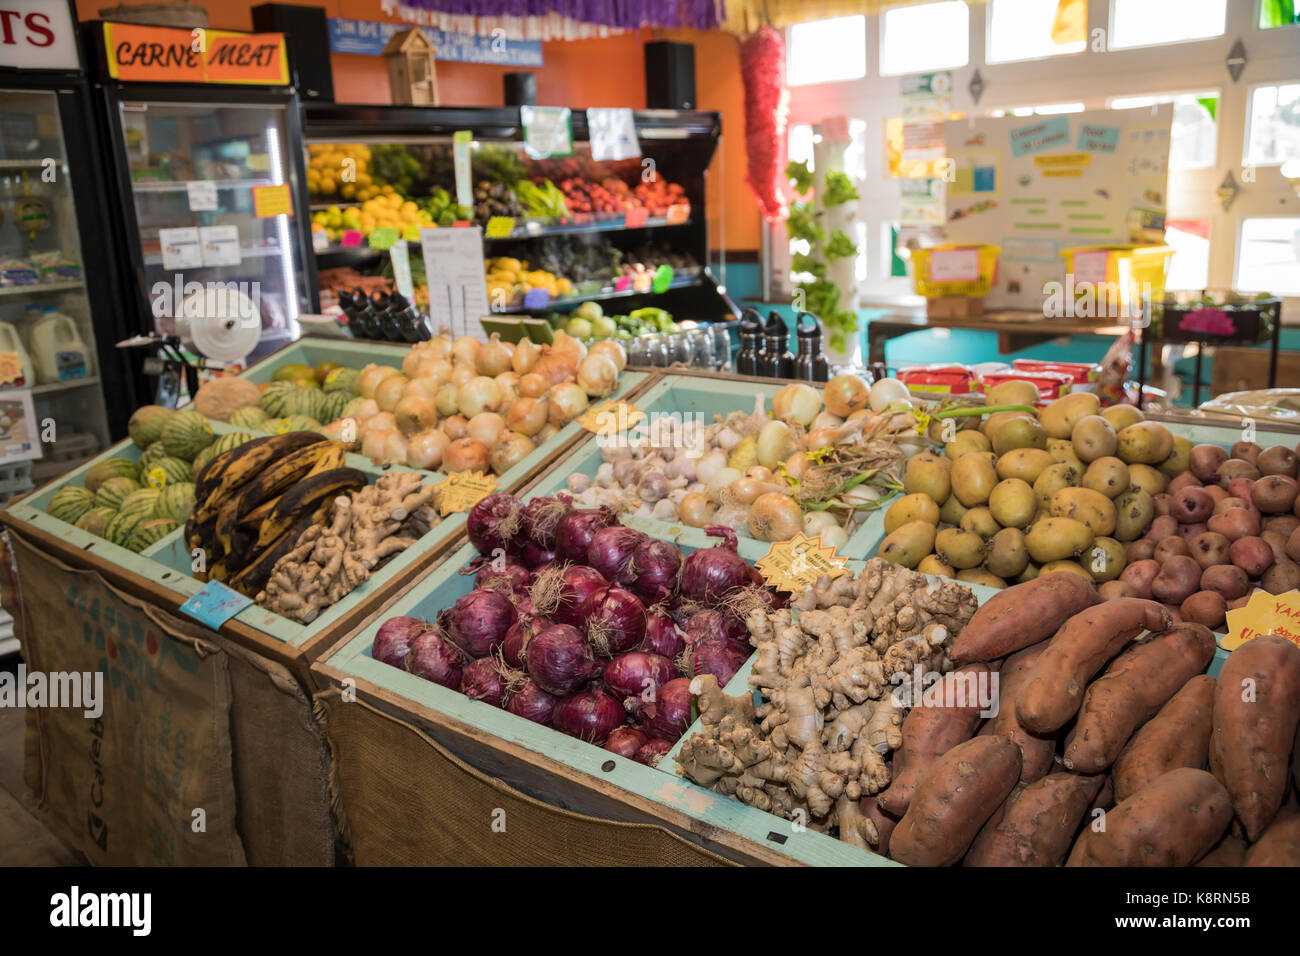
(383, 237)
(635, 218)
(220, 245)
(351, 239)
(663, 279)
(215, 604)
(1090, 266)
(202, 195)
(1277, 614)
(271, 201)
(679, 214)
(463, 490)
(536, 299)
(954, 265)
(548, 131)
(797, 564)
(612, 134)
(402, 270)
(499, 227)
(157, 478)
(461, 141)
(610, 418)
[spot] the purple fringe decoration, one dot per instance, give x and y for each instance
(623, 14)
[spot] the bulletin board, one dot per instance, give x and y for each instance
(1035, 185)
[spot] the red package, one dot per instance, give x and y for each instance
(942, 379)
(1080, 373)
(1050, 385)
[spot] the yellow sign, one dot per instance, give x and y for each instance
(463, 490)
(1264, 613)
(610, 418)
(498, 227)
(796, 564)
(11, 369)
(271, 201)
(1063, 159)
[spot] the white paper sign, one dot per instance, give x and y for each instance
(402, 269)
(548, 131)
(954, 265)
(460, 148)
(220, 245)
(181, 248)
(453, 265)
(612, 133)
(20, 438)
(203, 195)
(38, 35)
(1090, 267)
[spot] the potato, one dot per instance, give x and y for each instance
(1006, 554)
(1275, 494)
(995, 421)
(1184, 479)
(1191, 531)
(1174, 821)
(1122, 416)
(1228, 580)
(1070, 567)
(1177, 736)
(1236, 523)
(913, 507)
(1012, 393)
(1256, 710)
(1036, 824)
(1178, 458)
(1057, 538)
(1093, 438)
(980, 576)
(1024, 463)
(1104, 560)
(929, 732)
(1253, 555)
(909, 544)
(1210, 548)
(1021, 616)
(973, 478)
(1062, 451)
(960, 549)
(1285, 525)
(1205, 607)
(1053, 478)
(1059, 417)
(1012, 503)
(1204, 461)
(1278, 460)
(1283, 576)
(1108, 476)
(1279, 845)
(961, 791)
(1139, 550)
(1076, 652)
(1082, 504)
(928, 475)
(1240, 487)
(980, 521)
(1227, 504)
(1030, 572)
(1135, 512)
(1235, 468)
(1190, 505)
(1146, 443)
(1170, 546)
(1179, 579)
(1293, 545)
(1018, 433)
(1148, 479)
(952, 511)
(1246, 451)
(931, 564)
(1110, 590)
(1229, 851)
(1161, 527)
(965, 441)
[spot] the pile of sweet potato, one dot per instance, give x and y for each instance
(1110, 747)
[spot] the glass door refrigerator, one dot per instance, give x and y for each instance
(65, 390)
(208, 173)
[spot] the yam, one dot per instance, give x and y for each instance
(1230, 851)
(1056, 683)
(1256, 710)
(1037, 823)
(1279, 844)
(1023, 615)
(1178, 736)
(1174, 821)
(1134, 688)
(883, 822)
(959, 794)
(1036, 752)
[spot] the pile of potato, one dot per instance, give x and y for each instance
(1020, 493)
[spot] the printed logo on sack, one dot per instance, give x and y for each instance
(75, 909)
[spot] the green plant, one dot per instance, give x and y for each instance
(820, 296)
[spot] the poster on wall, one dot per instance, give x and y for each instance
(1035, 185)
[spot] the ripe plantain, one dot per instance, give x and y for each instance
(305, 497)
(253, 577)
(279, 476)
(336, 457)
(231, 470)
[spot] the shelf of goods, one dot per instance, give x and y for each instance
(588, 230)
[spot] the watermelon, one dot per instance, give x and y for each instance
(113, 492)
(175, 502)
(201, 460)
(232, 440)
(186, 434)
(276, 397)
(149, 531)
(346, 380)
(166, 471)
(301, 423)
(146, 424)
(249, 417)
(96, 520)
(153, 453)
(305, 401)
(110, 468)
(332, 407)
(140, 503)
(120, 527)
(70, 503)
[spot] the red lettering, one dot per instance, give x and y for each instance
(6, 18)
(41, 28)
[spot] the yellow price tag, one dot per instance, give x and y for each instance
(1264, 613)
(463, 490)
(922, 422)
(796, 564)
(498, 227)
(610, 418)
(157, 478)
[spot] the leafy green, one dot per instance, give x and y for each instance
(840, 246)
(802, 224)
(801, 262)
(800, 176)
(839, 190)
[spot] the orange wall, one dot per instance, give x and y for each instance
(576, 73)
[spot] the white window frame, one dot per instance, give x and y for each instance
(1227, 27)
(988, 45)
(1250, 92)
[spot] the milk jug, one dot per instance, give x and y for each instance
(57, 351)
(15, 366)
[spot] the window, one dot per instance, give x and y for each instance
(1273, 125)
(1194, 133)
(1031, 29)
(1278, 13)
(932, 36)
(1047, 109)
(1189, 267)
(1268, 256)
(1149, 22)
(827, 51)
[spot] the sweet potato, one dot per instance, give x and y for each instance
(959, 794)
(1173, 822)
(882, 821)
(1256, 710)
(1036, 824)
(1134, 688)
(1081, 647)
(1035, 752)
(1178, 736)
(1230, 851)
(1279, 844)
(930, 732)
(1025, 614)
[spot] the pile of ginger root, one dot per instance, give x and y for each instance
(366, 528)
(826, 668)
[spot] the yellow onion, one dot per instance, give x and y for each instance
(465, 454)
(532, 385)
(479, 394)
(598, 375)
(424, 449)
(373, 445)
(438, 369)
(744, 491)
(426, 387)
(460, 374)
(774, 517)
(815, 522)
(775, 443)
(796, 404)
(796, 466)
(445, 400)
(611, 348)
(390, 391)
(494, 357)
(465, 350)
(563, 342)
(508, 382)
(439, 346)
(834, 537)
(366, 410)
(509, 450)
(455, 426)
(527, 415)
(372, 375)
(759, 472)
(696, 510)
(485, 427)
(567, 402)
(548, 431)
(411, 363)
(525, 356)
(414, 413)
(384, 421)
(844, 394)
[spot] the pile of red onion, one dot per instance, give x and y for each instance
(579, 623)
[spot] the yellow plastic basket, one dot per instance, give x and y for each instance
(1130, 269)
(987, 259)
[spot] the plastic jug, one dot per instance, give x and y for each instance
(15, 366)
(57, 351)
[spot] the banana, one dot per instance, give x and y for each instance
(336, 457)
(305, 496)
(253, 577)
(230, 471)
(277, 477)
(218, 572)
(225, 527)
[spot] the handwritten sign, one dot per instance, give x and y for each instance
(463, 490)
(169, 55)
(610, 418)
(215, 604)
(1264, 613)
(271, 201)
(797, 564)
(954, 265)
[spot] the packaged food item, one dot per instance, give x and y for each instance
(1050, 385)
(58, 353)
(15, 366)
(18, 272)
(1080, 373)
(1115, 367)
(941, 379)
(55, 265)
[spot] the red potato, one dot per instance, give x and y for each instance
(1256, 710)
(1216, 492)
(1179, 578)
(1235, 468)
(1178, 736)
(1227, 504)
(1162, 526)
(1285, 525)
(1279, 845)
(1160, 503)
(1191, 504)
(1239, 488)
(1230, 851)
(1246, 451)
(1110, 590)
(1236, 523)
(956, 798)
(882, 821)
(1275, 494)
(1180, 481)
(1276, 543)
(1036, 752)
(1293, 545)
(1079, 650)
(1036, 824)
(1140, 550)
(1190, 532)
(1204, 461)
(1019, 616)
(1174, 821)
(1134, 688)
(1210, 548)
(1253, 555)
(1278, 460)
(1227, 579)
(1283, 576)
(1171, 546)
(930, 732)
(1207, 608)
(1139, 575)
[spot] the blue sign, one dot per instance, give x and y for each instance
(1049, 132)
(1098, 139)
(215, 604)
(369, 37)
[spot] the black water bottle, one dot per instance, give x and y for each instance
(404, 317)
(810, 365)
(776, 360)
(353, 309)
(751, 334)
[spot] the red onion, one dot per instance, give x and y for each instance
(610, 551)
(481, 680)
(653, 569)
(575, 530)
(637, 674)
(703, 625)
(579, 586)
(652, 751)
(560, 660)
(394, 638)
(662, 635)
(532, 703)
(626, 741)
(718, 656)
(591, 716)
(669, 714)
(506, 576)
(434, 659)
(478, 621)
(616, 620)
(495, 523)
(710, 573)
(535, 557)
(525, 628)
(540, 516)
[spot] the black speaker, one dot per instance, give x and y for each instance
(669, 75)
(307, 36)
(521, 89)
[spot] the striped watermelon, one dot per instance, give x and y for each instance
(346, 380)
(334, 404)
(300, 423)
(150, 531)
(249, 417)
(113, 492)
(120, 527)
(275, 398)
(70, 503)
(110, 468)
(175, 502)
(147, 423)
(166, 471)
(140, 503)
(186, 434)
(305, 401)
(96, 520)
(232, 440)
